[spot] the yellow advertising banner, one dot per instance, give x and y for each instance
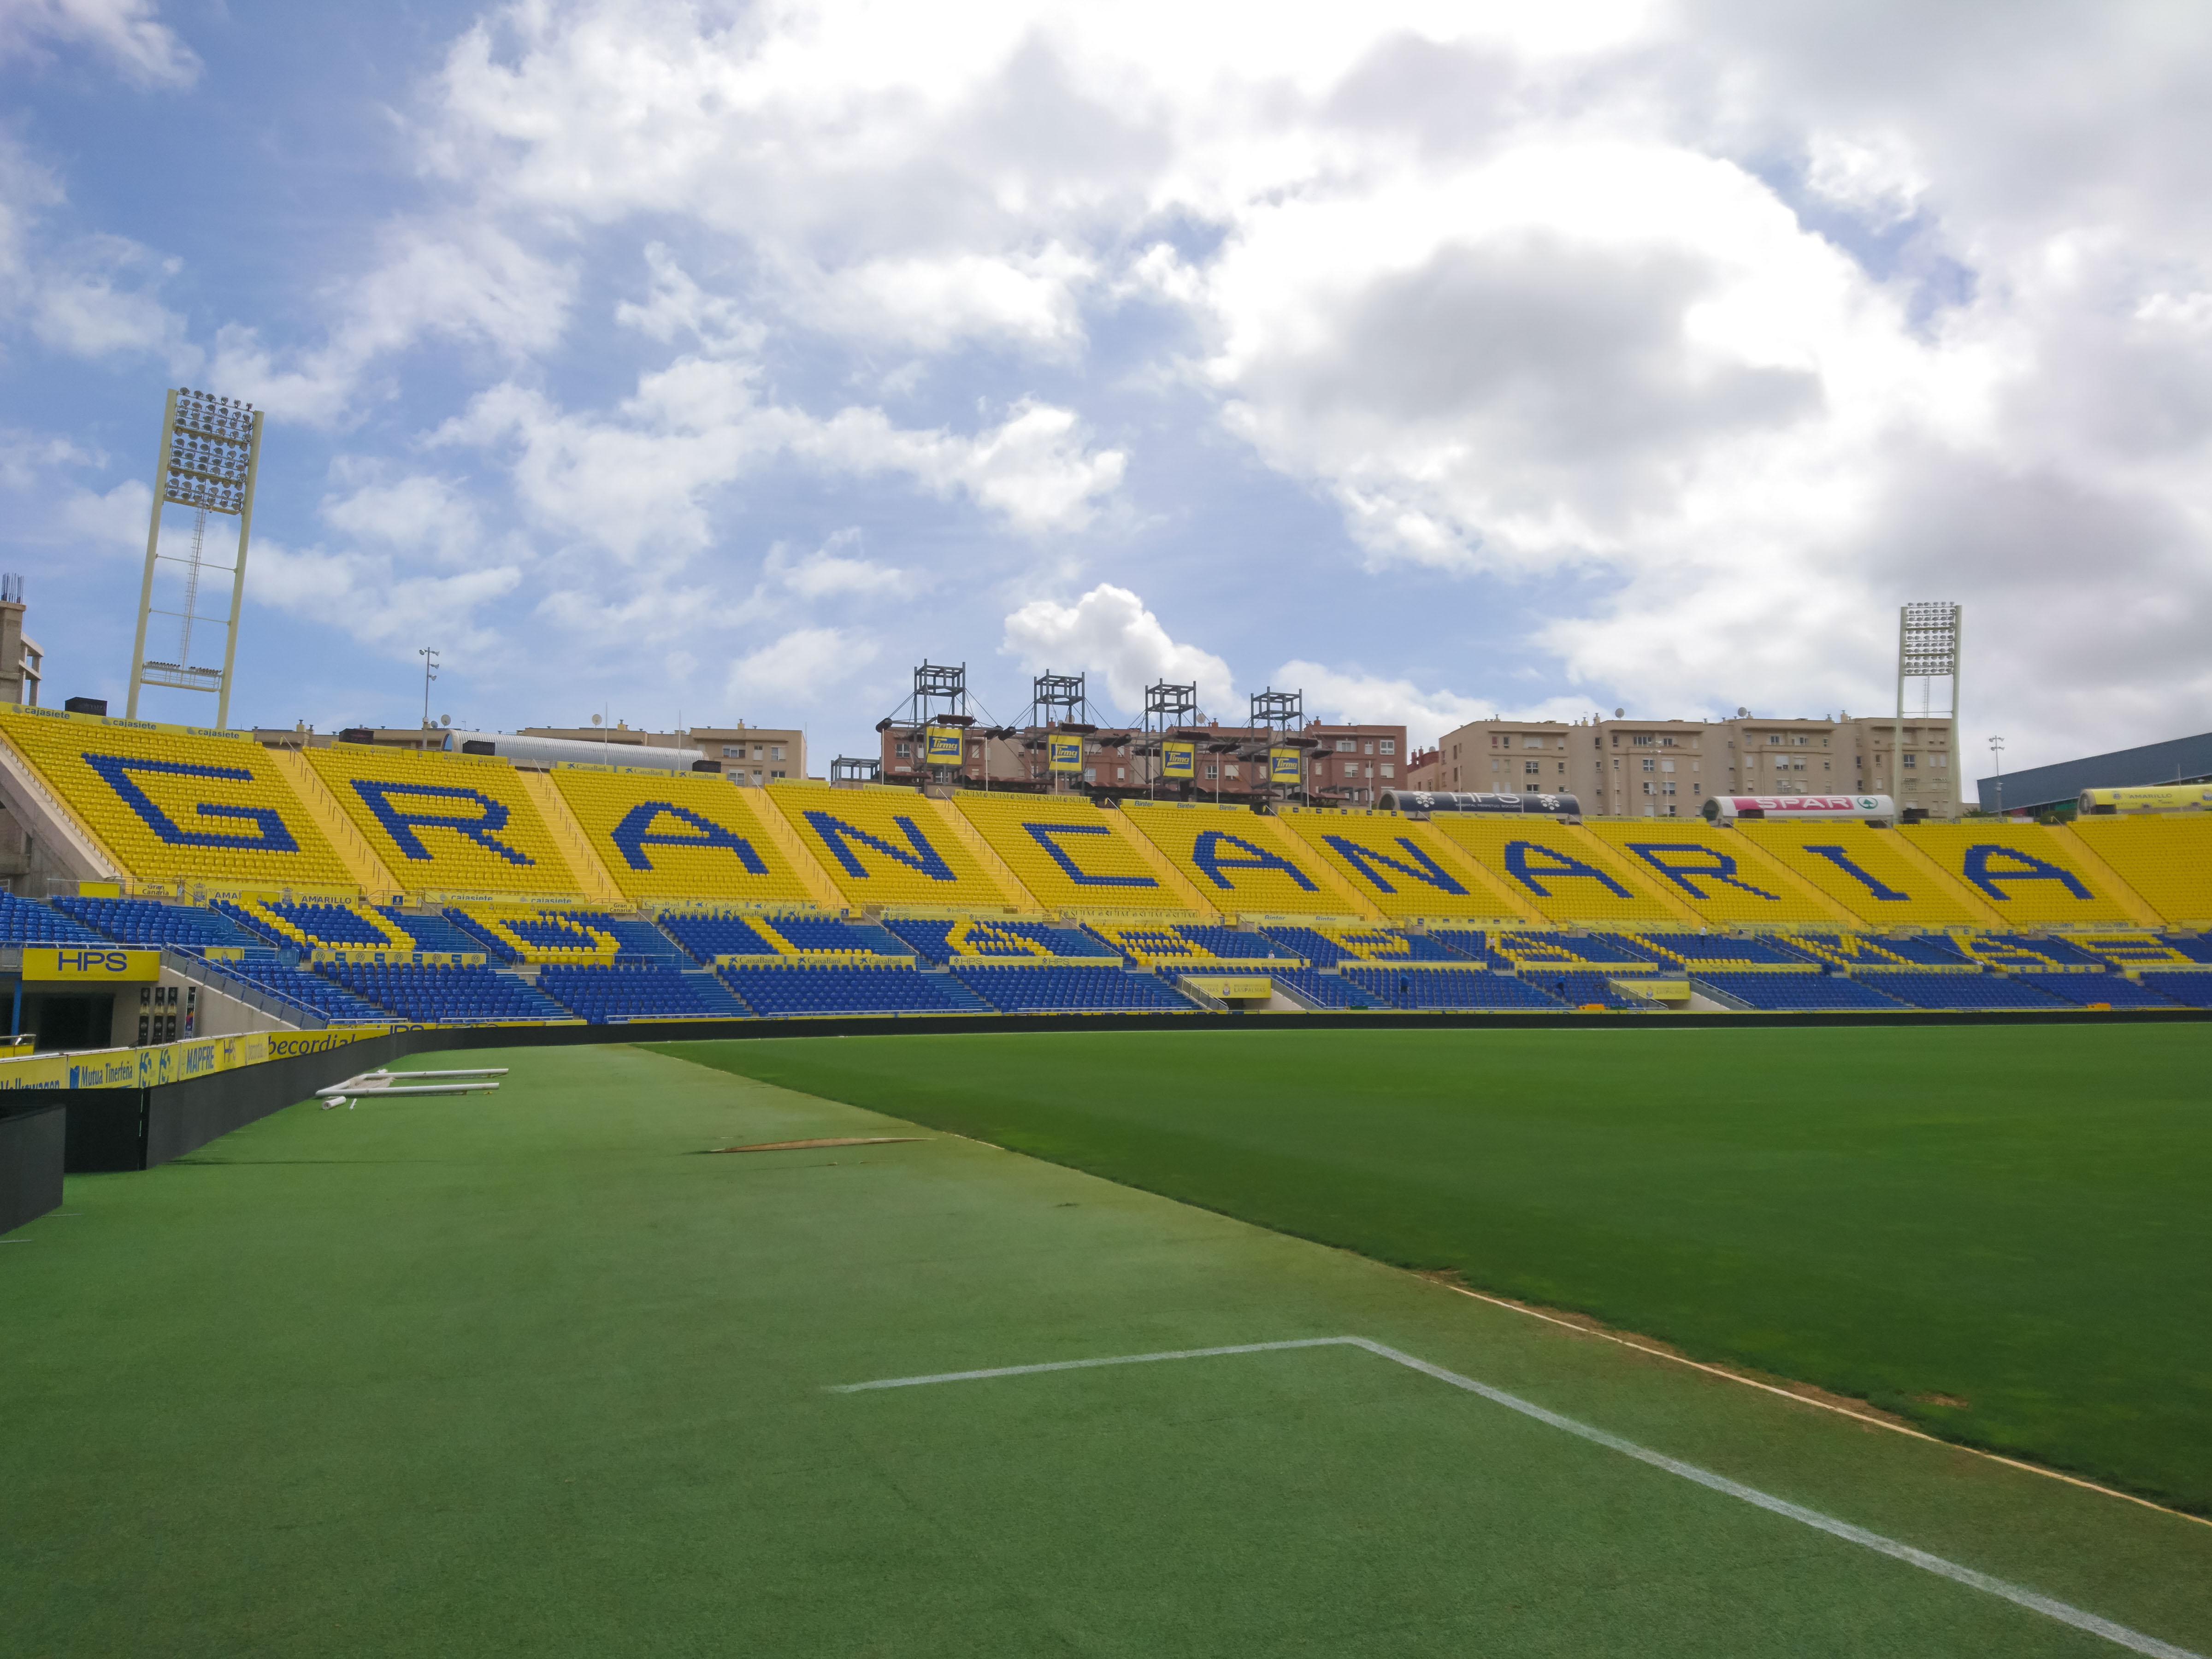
(1240, 989)
(1178, 760)
(90, 963)
(944, 745)
(1285, 766)
(173, 1062)
(1065, 754)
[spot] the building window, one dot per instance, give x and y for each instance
(1666, 743)
(1649, 764)
(775, 751)
(1368, 749)
(1667, 786)
(1347, 745)
(1389, 746)
(1911, 761)
(738, 753)
(1388, 770)
(1641, 740)
(1212, 770)
(1531, 766)
(1233, 772)
(773, 774)
(905, 751)
(1647, 786)
(1090, 774)
(1121, 774)
(1665, 766)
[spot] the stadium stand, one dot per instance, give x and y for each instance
(2098, 990)
(803, 988)
(1518, 951)
(1323, 990)
(1433, 988)
(2014, 954)
(1238, 862)
(1701, 952)
(1566, 878)
(1964, 992)
(624, 990)
(1590, 991)
(2134, 949)
(535, 933)
(2190, 990)
(178, 805)
(1798, 992)
(1867, 871)
(445, 824)
(1067, 853)
(709, 935)
(26, 922)
(1326, 945)
(2022, 870)
(967, 938)
(308, 992)
(1398, 865)
(444, 995)
(147, 922)
(669, 835)
(1065, 990)
(1850, 950)
(430, 931)
(1719, 874)
(2167, 860)
(1183, 944)
(344, 924)
(888, 847)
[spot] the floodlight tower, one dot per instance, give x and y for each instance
(209, 460)
(1167, 707)
(1928, 635)
(1280, 714)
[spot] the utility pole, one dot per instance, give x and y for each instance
(429, 672)
(1996, 754)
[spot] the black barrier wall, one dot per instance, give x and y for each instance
(31, 1143)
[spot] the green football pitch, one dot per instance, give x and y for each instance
(532, 1374)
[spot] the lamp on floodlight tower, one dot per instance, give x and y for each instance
(1928, 635)
(209, 461)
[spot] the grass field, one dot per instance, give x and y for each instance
(2007, 1218)
(528, 1374)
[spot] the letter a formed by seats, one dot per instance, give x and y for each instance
(2025, 866)
(637, 831)
(1521, 865)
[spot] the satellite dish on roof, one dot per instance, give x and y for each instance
(1619, 712)
(1742, 713)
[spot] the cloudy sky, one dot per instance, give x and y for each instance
(724, 362)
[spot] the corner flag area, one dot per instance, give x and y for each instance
(638, 1355)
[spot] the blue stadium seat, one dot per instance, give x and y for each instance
(26, 922)
(2181, 985)
(1964, 992)
(2196, 946)
(1930, 950)
(2115, 990)
(1805, 992)
(433, 933)
(1450, 987)
(1694, 948)
(707, 936)
(807, 987)
(301, 989)
(444, 995)
(622, 990)
(1322, 951)
(149, 922)
(1581, 990)
(1329, 990)
(1471, 944)
(1060, 990)
(933, 941)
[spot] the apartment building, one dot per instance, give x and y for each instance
(1353, 764)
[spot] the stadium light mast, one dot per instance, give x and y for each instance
(1278, 714)
(1928, 635)
(1997, 756)
(1167, 707)
(209, 460)
(429, 655)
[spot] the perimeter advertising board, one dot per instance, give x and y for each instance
(1065, 754)
(943, 745)
(92, 964)
(2152, 798)
(1178, 760)
(1286, 767)
(1803, 809)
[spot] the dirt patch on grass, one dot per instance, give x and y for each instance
(1812, 1394)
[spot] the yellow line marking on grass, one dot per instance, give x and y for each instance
(2032, 1600)
(1726, 1375)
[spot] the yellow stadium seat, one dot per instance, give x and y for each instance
(1866, 872)
(2022, 870)
(1233, 859)
(1397, 865)
(2166, 860)
(888, 847)
(1565, 879)
(178, 805)
(1066, 852)
(452, 823)
(1725, 879)
(681, 836)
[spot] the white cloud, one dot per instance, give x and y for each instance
(800, 667)
(112, 520)
(418, 513)
(1109, 631)
(124, 30)
(833, 570)
(933, 304)
(1374, 699)
(384, 606)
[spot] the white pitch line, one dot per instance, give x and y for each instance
(2049, 1607)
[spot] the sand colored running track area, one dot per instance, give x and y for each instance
(531, 1373)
